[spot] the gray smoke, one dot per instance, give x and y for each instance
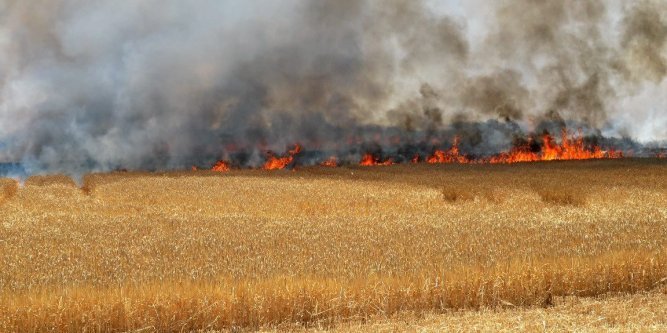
(643, 41)
(101, 84)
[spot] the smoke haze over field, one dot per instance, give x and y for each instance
(102, 84)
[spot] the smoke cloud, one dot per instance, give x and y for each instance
(100, 84)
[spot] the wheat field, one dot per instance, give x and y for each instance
(321, 248)
(641, 312)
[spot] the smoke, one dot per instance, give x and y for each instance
(101, 84)
(643, 40)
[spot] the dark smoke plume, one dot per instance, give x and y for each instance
(100, 84)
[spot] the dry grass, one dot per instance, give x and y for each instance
(563, 196)
(54, 180)
(8, 188)
(321, 247)
(642, 312)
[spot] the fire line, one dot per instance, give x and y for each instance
(569, 148)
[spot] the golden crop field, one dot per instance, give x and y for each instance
(341, 248)
(641, 312)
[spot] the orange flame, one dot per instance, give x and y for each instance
(452, 155)
(276, 163)
(331, 162)
(296, 150)
(614, 154)
(221, 166)
(370, 160)
(515, 155)
(569, 149)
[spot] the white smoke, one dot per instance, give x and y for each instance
(100, 84)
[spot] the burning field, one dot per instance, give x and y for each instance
(332, 164)
(324, 247)
(529, 149)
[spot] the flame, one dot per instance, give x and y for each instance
(370, 160)
(331, 162)
(276, 163)
(570, 148)
(452, 155)
(221, 166)
(296, 150)
(367, 160)
(614, 154)
(515, 155)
